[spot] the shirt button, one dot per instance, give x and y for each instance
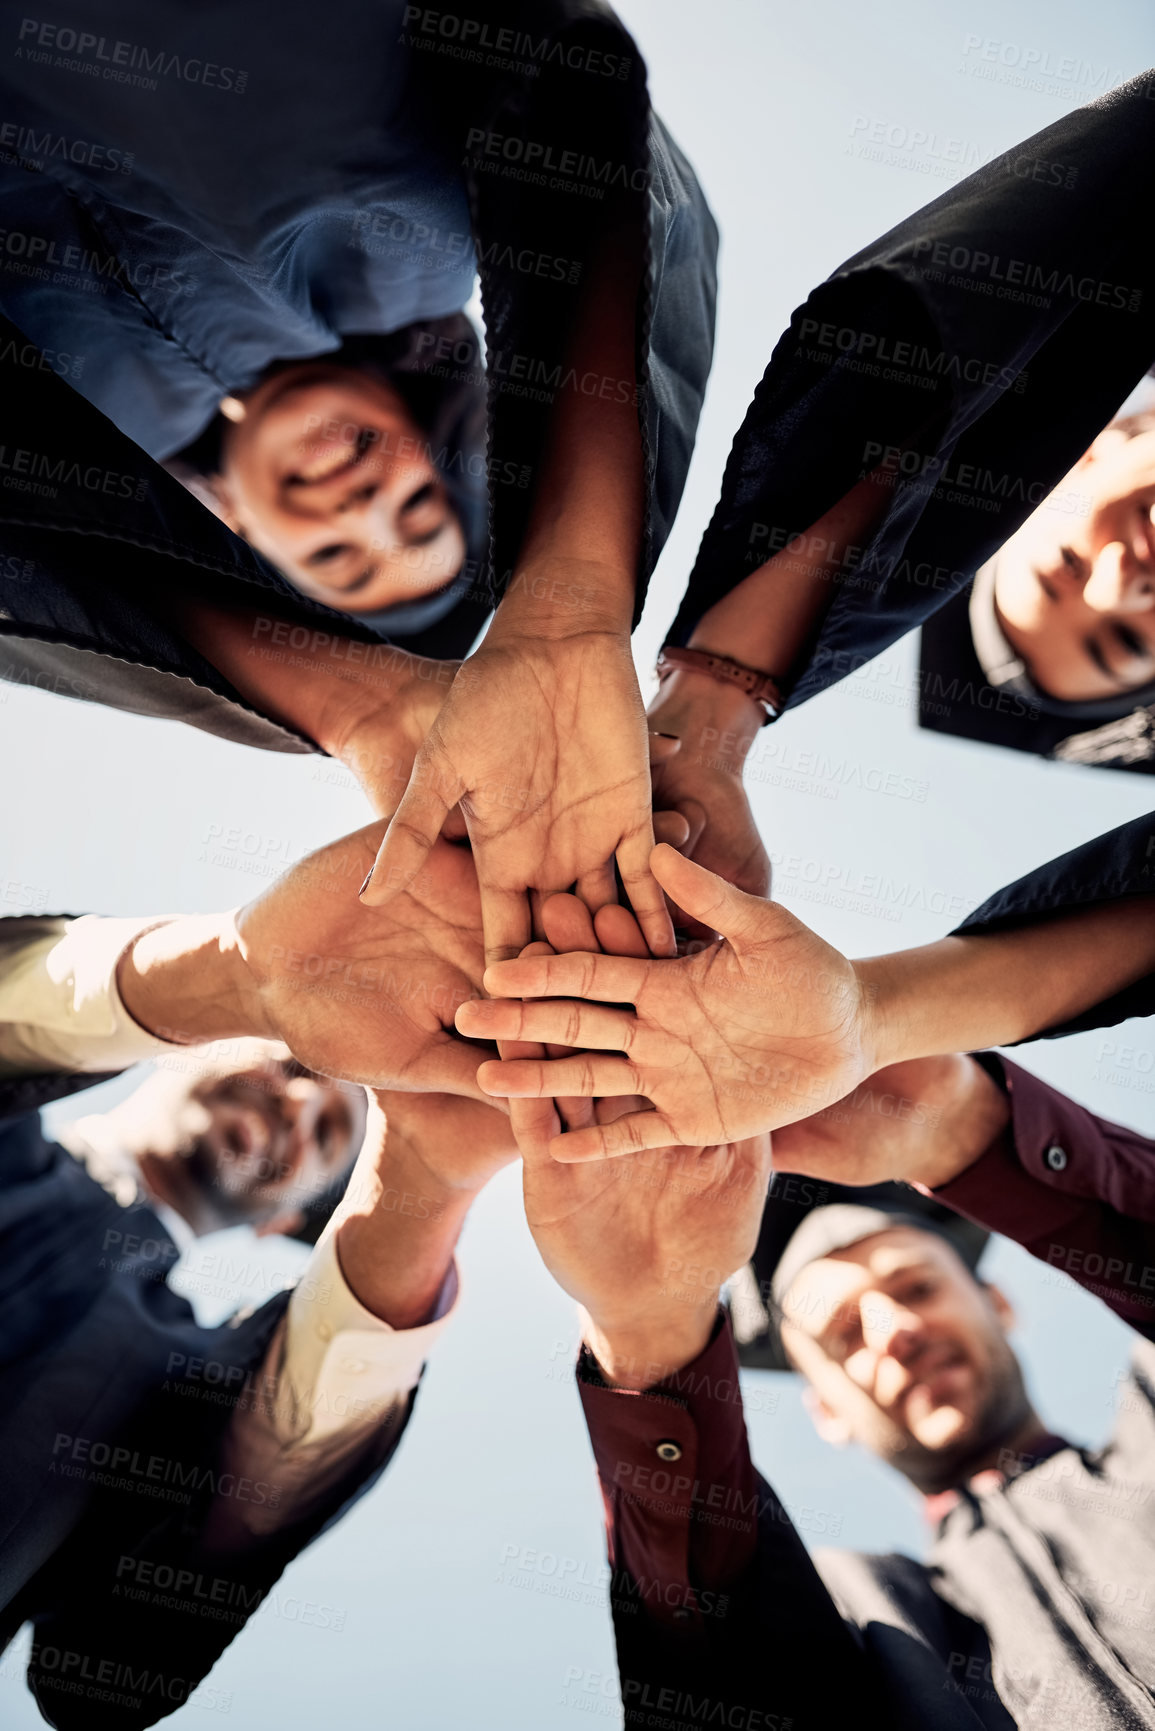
(668, 1450)
(682, 1614)
(354, 1366)
(325, 1330)
(1056, 1157)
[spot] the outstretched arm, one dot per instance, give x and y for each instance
(543, 739)
(771, 1024)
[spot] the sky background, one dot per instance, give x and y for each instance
(441, 1579)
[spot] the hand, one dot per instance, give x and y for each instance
(712, 728)
(644, 1247)
(751, 1032)
(369, 994)
(569, 925)
(376, 727)
(543, 741)
(455, 1145)
(921, 1122)
(425, 1158)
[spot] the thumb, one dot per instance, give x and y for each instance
(415, 826)
(451, 1068)
(709, 898)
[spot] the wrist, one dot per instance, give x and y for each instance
(637, 1354)
(397, 1229)
(970, 1113)
(187, 982)
(710, 718)
(399, 695)
(556, 596)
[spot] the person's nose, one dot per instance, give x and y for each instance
(1119, 582)
(890, 1330)
(301, 1108)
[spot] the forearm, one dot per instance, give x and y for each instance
(768, 620)
(317, 681)
(1074, 1190)
(994, 989)
(578, 563)
(186, 981)
(397, 1227)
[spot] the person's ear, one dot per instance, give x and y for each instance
(830, 1427)
(1002, 1307)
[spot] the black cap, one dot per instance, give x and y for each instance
(804, 1220)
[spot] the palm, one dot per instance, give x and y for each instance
(754, 1031)
(459, 1142)
(544, 745)
(640, 1230)
(737, 1038)
(364, 993)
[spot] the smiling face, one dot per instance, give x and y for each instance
(331, 479)
(906, 1353)
(1075, 589)
(243, 1130)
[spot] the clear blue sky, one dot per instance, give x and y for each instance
(773, 103)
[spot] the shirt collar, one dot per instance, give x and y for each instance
(92, 1141)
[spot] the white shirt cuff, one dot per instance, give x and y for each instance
(344, 1367)
(60, 1008)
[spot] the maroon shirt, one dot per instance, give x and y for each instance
(1076, 1191)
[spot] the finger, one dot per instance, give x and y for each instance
(644, 891)
(709, 899)
(533, 1122)
(532, 1079)
(599, 887)
(415, 826)
(628, 1135)
(561, 1022)
(672, 827)
(568, 924)
(451, 1068)
(694, 813)
(506, 922)
(619, 934)
(663, 746)
(608, 979)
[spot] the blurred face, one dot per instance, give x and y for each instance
(906, 1353)
(1075, 594)
(329, 477)
(256, 1139)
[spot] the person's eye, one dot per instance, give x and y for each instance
(1131, 641)
(326, 555)
(423, 496)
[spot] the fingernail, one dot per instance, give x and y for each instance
(368, 880)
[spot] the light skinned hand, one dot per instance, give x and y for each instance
(758, 1029)
(645, 1245)
(543, 743)
(369, 994)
